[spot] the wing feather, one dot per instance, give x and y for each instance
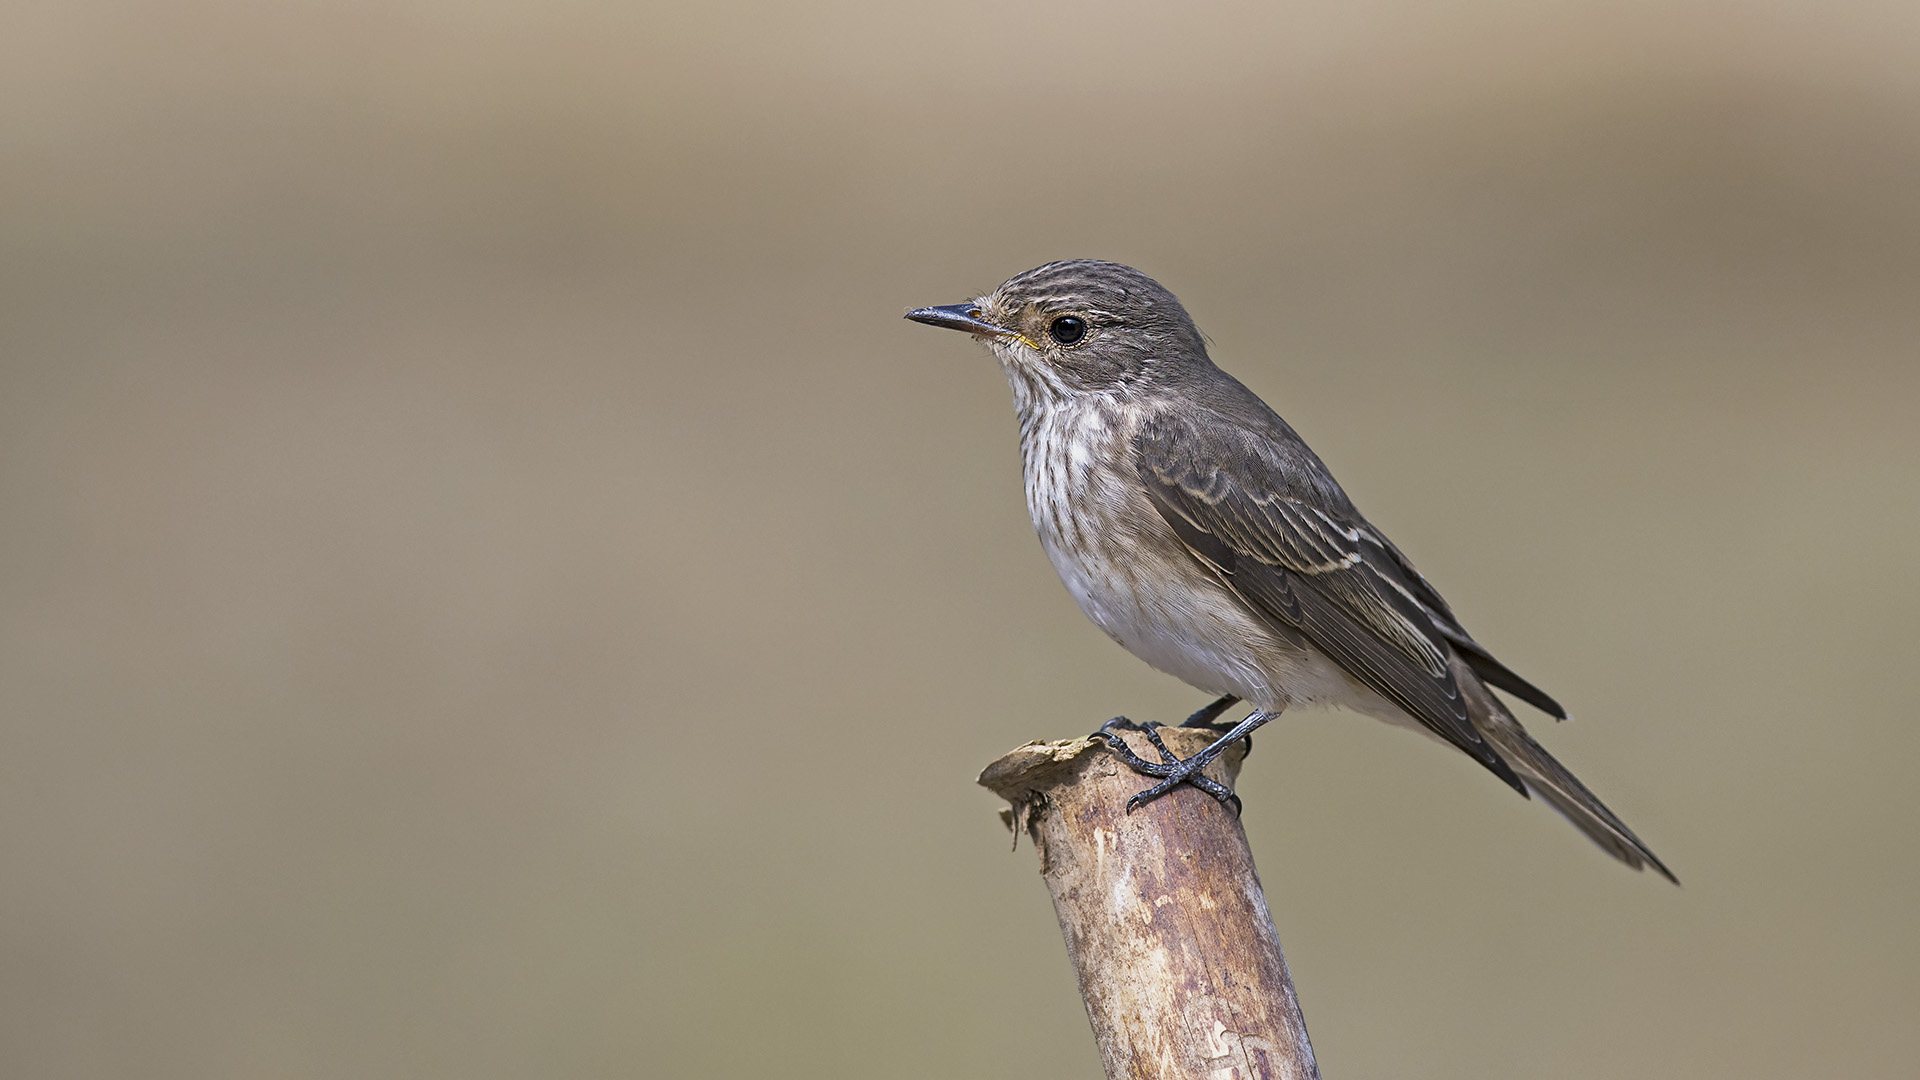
(1317, 572)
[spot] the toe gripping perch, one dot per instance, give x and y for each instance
(1174, 770)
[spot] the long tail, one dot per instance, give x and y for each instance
(1550, 780)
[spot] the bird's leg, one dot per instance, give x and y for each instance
(1206, 716)
(1176, 771)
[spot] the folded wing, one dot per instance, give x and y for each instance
(1317, 568)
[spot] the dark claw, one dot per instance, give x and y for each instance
(1151, 794)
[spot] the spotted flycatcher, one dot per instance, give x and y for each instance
(1195, 528)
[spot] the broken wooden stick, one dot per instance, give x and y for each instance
(1163, 915)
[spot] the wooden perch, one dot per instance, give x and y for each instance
(1163, 915)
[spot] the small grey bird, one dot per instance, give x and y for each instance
(1195, 528)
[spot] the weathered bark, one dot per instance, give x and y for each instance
(1163, 915)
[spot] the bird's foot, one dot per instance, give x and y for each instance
(1171, 766)
(1173, 769)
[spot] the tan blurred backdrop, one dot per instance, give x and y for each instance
(490, 586)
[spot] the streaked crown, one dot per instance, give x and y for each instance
(1091, 325)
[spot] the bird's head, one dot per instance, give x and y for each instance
(1078, 326)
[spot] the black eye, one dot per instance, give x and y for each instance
(1067, 329)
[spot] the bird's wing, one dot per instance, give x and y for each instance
(1313, 566)
(1477, 658)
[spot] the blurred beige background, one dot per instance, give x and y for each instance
(490, 586)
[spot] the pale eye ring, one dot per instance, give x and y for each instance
(1067, 329)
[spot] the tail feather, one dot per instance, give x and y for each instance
(1550, 780)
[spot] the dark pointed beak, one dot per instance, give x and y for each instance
(960, 317)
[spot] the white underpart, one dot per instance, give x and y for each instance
(1131, 575)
